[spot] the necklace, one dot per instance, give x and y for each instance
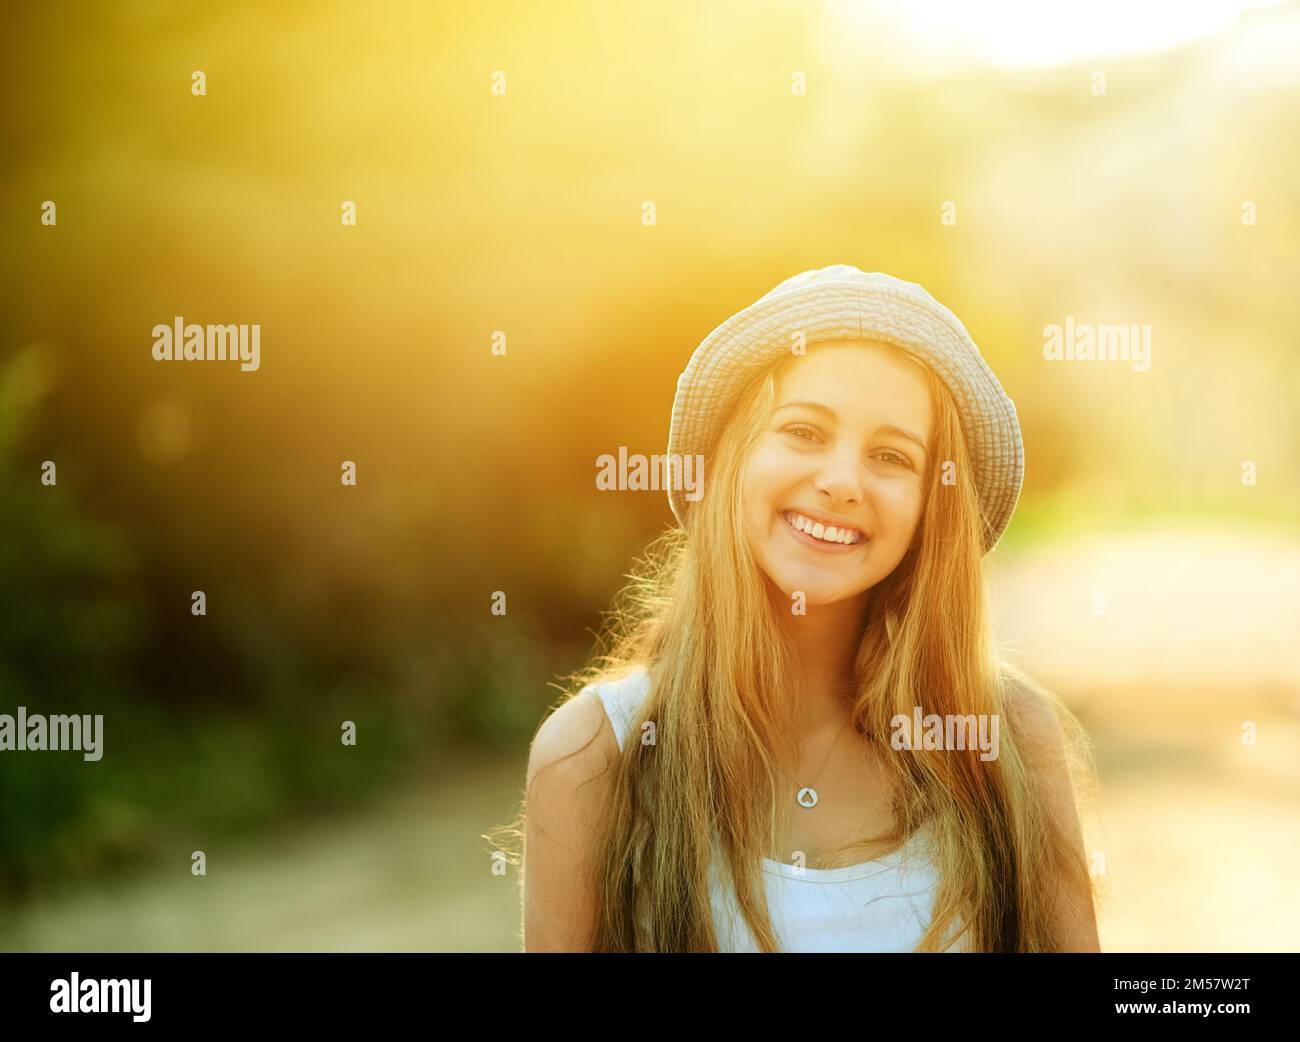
(807, 796)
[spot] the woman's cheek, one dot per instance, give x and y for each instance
(762, 479)
(902, 501)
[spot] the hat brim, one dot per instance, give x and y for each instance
(754, 338)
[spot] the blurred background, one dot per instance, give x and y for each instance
(1109, 163)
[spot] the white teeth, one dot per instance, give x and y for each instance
(828, 534)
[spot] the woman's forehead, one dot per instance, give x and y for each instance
(855, 371)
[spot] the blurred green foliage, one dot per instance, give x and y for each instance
(184, 767)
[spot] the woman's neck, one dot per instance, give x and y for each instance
(826, 642)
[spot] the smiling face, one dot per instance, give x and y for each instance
(836, 459)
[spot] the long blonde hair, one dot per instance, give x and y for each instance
(698, 617)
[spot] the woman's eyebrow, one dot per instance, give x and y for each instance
(884, 428)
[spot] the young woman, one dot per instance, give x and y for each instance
(743, 770)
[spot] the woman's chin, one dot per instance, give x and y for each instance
(812, 591)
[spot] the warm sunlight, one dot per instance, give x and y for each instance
(1029, 33)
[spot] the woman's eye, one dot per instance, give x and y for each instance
(806, 433)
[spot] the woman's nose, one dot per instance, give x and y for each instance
(840, 477)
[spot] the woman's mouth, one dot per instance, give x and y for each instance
(828, 539)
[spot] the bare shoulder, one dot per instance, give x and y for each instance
(1034, 717)
(569, 780)
(577, 735)
(1034, 714)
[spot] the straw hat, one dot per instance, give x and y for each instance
(841, 302)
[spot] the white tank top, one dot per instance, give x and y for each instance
(877, 906)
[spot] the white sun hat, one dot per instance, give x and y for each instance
(841, 302)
